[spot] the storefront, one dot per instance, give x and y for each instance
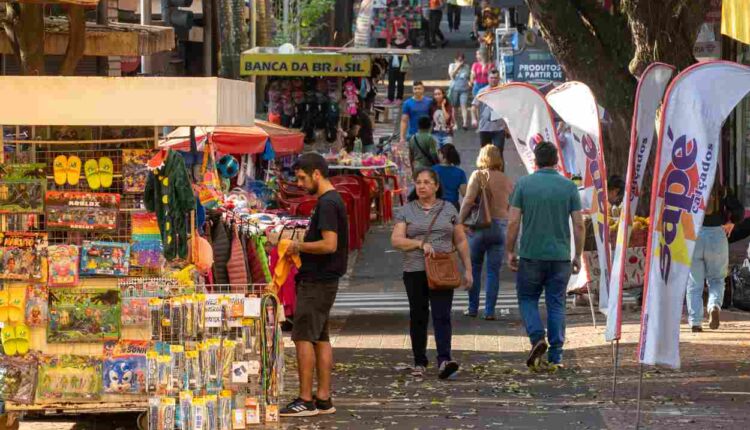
(111, 299)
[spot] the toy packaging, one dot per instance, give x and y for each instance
(125, 366)
(69, 210)
(134, 170)
(69, 377)
(63, 265)
(36, 305)
(83, 315)
(21, 255)
(105, 258)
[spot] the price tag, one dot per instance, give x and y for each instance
(252, 307)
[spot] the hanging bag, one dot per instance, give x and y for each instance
(480, 216)
(209, 187)
(441, 267)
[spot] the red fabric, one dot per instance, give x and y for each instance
(243, 140)
(288, 292)
(236, 266)
(257, 274)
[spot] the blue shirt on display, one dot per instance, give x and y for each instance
(416, 109)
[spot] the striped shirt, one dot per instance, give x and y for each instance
(417, 221)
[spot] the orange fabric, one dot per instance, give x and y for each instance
(284, 265)
(436, 4)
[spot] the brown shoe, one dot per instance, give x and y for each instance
(537, 351)
(713, 318)
(696, 329)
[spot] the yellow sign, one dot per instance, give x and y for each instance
(341, 65)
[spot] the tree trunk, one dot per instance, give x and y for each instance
(24, 26)
(76, 40)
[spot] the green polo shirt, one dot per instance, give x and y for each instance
(546, 200)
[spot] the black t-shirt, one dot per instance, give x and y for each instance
(330, 215)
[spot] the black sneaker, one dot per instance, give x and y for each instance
(537, 351)
(696, 329)
(447, 369)
(299, 408)
(325, 407)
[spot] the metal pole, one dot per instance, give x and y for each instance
(638, 407)
(285, 17)
(615, 358)
(146, 67)
(208, 43)
(591, 305)
(253, 23)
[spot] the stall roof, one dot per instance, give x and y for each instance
(240, 140)
(366, 51)
(141, 101)
(114, 39)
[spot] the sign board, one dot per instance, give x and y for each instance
(536, 65)
(322, 64)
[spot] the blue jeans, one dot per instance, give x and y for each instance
(477, 88)
(710, 264)
(535, 276)
(490, 242)
(442, 138)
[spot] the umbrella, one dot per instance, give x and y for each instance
(239, 140)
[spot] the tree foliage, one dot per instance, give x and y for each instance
(307, 22)
(608, 50)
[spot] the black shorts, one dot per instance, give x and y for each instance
(314, 302)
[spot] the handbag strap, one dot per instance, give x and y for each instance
(432, 224)
(422, 150)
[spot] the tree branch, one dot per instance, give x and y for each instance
(29, 31)
(9, 25)
(76, 40)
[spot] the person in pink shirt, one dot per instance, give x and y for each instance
(479, 71)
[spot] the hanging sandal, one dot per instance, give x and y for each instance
(22, 339)
(8, 336)
(16, 303)
(106, 172)
(4, 300)
(60, 169)
(91, 168)
(73, 170)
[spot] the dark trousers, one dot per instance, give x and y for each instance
(395, 83)
(496, 138)
(421, 299)
(435, 17)
(454, 16)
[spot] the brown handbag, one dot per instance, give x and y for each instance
(480, 216)
(441, 267)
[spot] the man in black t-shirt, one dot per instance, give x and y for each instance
(324, 254)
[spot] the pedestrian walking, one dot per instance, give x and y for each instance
(460, 74)
(435, 16)
(452, 176)
(443, 122)
(423, 147)
(711, 256)
(397, 68)
(544, 203)
(324, 255)
(454, 15)
(491, 130)
(487, 244)
(479, 8)
(426, 225)
(480, 72)
(412, 110)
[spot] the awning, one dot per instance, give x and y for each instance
(240, 140)
(114, 39)
(128, 102)
(735, 20)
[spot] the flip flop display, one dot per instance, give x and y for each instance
(73, 170)
(60, 169)
(106, 171)
(16, 303)
(8, 335)
(91, 168)
(22, 339)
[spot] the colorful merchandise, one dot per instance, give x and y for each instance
(83, 315)
(146, 249)
(66, 170)
(125, 367)
(134, 170)
(12, 304)
(36, 305)
(21, 255)
(63, 265)
(69, 377)
(105, 258)
(22, 188)
(99, 173)
(70, 210)
(16, 339)
(18, 379)
(170, 195)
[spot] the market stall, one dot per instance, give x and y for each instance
(111, 300)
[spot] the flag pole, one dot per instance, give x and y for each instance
(615, 362)
(638, 408)
(591, 304)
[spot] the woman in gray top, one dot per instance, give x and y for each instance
(412, 224)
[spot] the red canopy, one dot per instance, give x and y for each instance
(240, 140)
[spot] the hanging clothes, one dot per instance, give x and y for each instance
(255, 263)
(221, 246)
(284, 274)
(236, 266)
(169, 194)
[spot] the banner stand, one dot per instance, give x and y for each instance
(615, 362)
(638, 406)
(591, 306)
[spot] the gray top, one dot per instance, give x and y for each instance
(485, 116)
(417, 221)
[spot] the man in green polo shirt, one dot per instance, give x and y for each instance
(544, 202)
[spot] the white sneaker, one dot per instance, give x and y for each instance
(418, 371)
